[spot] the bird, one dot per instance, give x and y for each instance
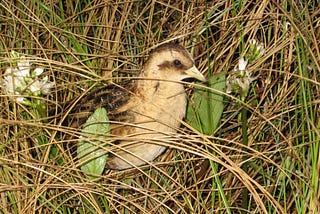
(146, 110)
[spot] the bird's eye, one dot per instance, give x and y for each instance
(177, 63)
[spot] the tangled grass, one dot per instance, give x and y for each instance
(83, 43)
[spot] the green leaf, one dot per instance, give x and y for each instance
(205, 110)
(92, 153)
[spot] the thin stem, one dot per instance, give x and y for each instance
(244, 120)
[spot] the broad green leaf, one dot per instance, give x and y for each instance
(205, 110)
(91, 153)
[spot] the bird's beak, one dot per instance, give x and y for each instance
(195, 73)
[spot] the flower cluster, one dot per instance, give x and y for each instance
(240, 79)
(256, 50)
(21, 82)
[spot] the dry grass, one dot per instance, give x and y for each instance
(82, 44)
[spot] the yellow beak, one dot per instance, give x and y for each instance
(195, 73)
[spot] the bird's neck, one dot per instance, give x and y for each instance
(163, 101)
(160, 89)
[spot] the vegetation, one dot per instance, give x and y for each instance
(260, 156)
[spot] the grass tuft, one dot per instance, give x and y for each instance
(81, 44)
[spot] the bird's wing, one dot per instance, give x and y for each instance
(114, 98)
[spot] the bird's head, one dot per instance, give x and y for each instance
(171, 62)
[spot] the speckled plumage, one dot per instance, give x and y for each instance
(149, 109)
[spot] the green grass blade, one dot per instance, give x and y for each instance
(204, 112)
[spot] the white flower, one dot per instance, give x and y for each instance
(20, 81)
(239, 81)
(253, 42)
(13, 83)
(46, 85)
(21, 100)
(41, 86)
(8, 84)
(35, 86)
(242, 64)
(38, 71)
(261, 50)
(257, 50)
